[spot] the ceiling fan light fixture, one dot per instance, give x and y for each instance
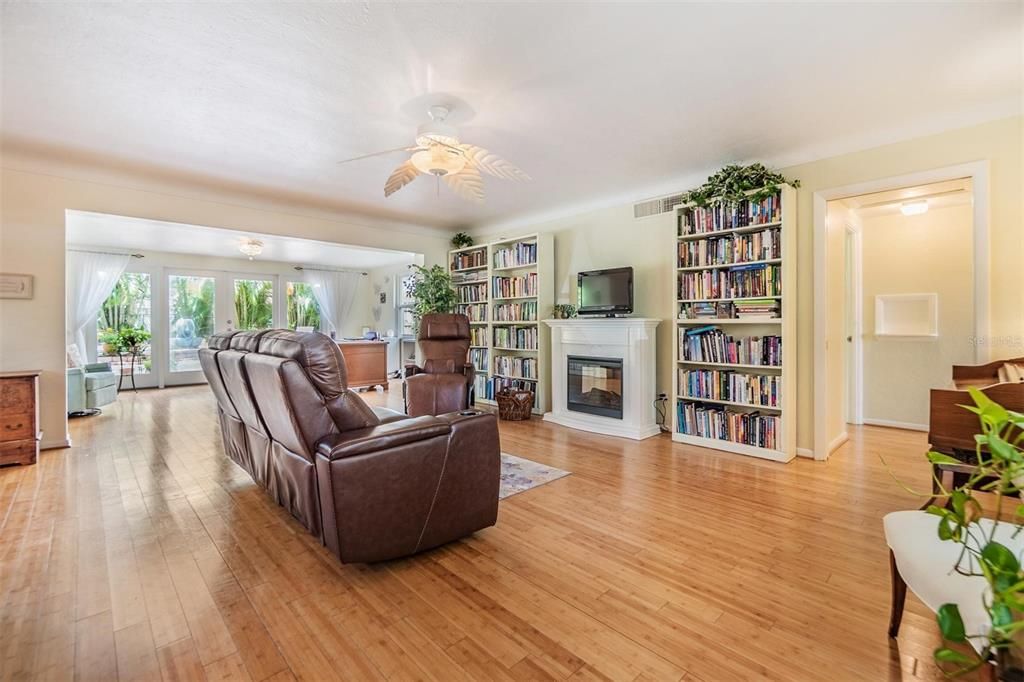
(251, 248)
(438, 160)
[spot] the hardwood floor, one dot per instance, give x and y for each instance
(144, 553)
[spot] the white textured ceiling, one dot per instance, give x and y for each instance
(142, 234)
(594, 101)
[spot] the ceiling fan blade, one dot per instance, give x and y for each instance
(401, 177)
(413, 148)
(492, 164)
(467, 184)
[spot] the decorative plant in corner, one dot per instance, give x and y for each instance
(132, 339)
(431, 291)
(1000, 471)
(461, 240)
(735, 183)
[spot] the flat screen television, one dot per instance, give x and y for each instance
(605, 292)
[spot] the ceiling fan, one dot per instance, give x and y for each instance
(439, 152)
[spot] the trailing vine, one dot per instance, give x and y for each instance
(735, 183)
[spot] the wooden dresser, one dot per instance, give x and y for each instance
(19, 417)
(367, 363)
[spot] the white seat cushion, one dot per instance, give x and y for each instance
(927, 565)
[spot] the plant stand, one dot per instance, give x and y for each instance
(131, 369)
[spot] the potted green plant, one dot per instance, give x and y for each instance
(563, 311)
(109, 340)
(461, 240)
(735, 182)
(431, 291)
(131, 339)
(1000, 471)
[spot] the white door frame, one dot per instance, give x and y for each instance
(978, 171)
(855, 369)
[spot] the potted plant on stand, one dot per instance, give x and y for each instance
(431, 291)
(130, 341)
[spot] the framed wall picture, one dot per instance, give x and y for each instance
(15, 286)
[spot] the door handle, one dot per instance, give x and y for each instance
(849, 339)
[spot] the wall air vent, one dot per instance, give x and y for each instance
(645, 209)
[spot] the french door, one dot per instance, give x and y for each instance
(200, 303)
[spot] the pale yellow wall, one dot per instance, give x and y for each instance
(611, 237)
(32, 207)
(929, 253)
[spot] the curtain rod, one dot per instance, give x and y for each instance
(107, 253)
(299, 267)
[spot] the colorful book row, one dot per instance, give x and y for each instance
(514, 287)
(710, 344)
(764, 390)
(516, 312)
(518, 338)
(521, 254)
(748, 428)
(513, 366)
(730, 215)
(741, 248)
(740, 281)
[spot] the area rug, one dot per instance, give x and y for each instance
(519, 475)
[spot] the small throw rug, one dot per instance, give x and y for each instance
(518, 475)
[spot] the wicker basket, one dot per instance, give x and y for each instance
(513, 404)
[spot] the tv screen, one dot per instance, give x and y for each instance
(606, 292)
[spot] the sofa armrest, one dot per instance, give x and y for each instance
(412, 370)
(382, 437)
(98, 367)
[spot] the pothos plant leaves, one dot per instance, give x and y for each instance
(735, 183)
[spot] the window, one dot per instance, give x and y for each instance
(128, 307)
(254, 304)
(190, 300)
(303, 310)
(406, 319)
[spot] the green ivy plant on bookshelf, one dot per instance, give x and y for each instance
(431, 291)
(461, 240)
(735, 183)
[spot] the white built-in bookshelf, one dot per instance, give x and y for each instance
(506, 287)
(735, 326)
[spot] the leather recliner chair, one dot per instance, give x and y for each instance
(445, 381)
(371, 484)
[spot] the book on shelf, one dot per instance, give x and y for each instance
(469, 259)
(724, 215)
(518, 338)
(759, 390)
(525, 311)
(739, 281)
(479, 358)
(514, 366)
(748, 428)
(514, 287)
(711, 344)
(516, 255)
(729, 249)
(476, 312)
(472, 293)
(478, 336)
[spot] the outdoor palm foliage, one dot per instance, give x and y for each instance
(254, 307)
(128, 303)
(303, 310)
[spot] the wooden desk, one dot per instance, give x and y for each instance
(19, 417)
(367, 363)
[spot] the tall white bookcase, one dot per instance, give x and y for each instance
(510, 345)
(712, 255)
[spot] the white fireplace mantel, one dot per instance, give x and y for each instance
(629, 338)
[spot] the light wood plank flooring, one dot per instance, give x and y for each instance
(144, 553)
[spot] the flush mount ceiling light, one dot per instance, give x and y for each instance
(914, 207)
(438, 152)
(251, 248)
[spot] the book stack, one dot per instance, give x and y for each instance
(707, 310)
(516, 312)
(512, 366)
(741, 281)
(517, 255)
(469, 259)
(514, 287)
(478, 356)
(476, 312)
(711, 344)
(735, 387)
(758, 308)
(482, 387)
(516, 338)
(472, 293)
(478, 336)
(749, 428)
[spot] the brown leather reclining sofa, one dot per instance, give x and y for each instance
(371, 484)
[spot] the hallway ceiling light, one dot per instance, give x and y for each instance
(914, 207)
(251, 248)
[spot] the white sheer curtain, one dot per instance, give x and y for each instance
(335, 292)
(90, 280)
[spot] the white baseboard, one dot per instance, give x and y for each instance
(805, 452)
(909, 426)
(55, 444)
(838, 442)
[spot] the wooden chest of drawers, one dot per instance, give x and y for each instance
(19, 417)
(367, 363)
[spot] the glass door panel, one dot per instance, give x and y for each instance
(191, 305)
(254, 304)
(124, 330)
